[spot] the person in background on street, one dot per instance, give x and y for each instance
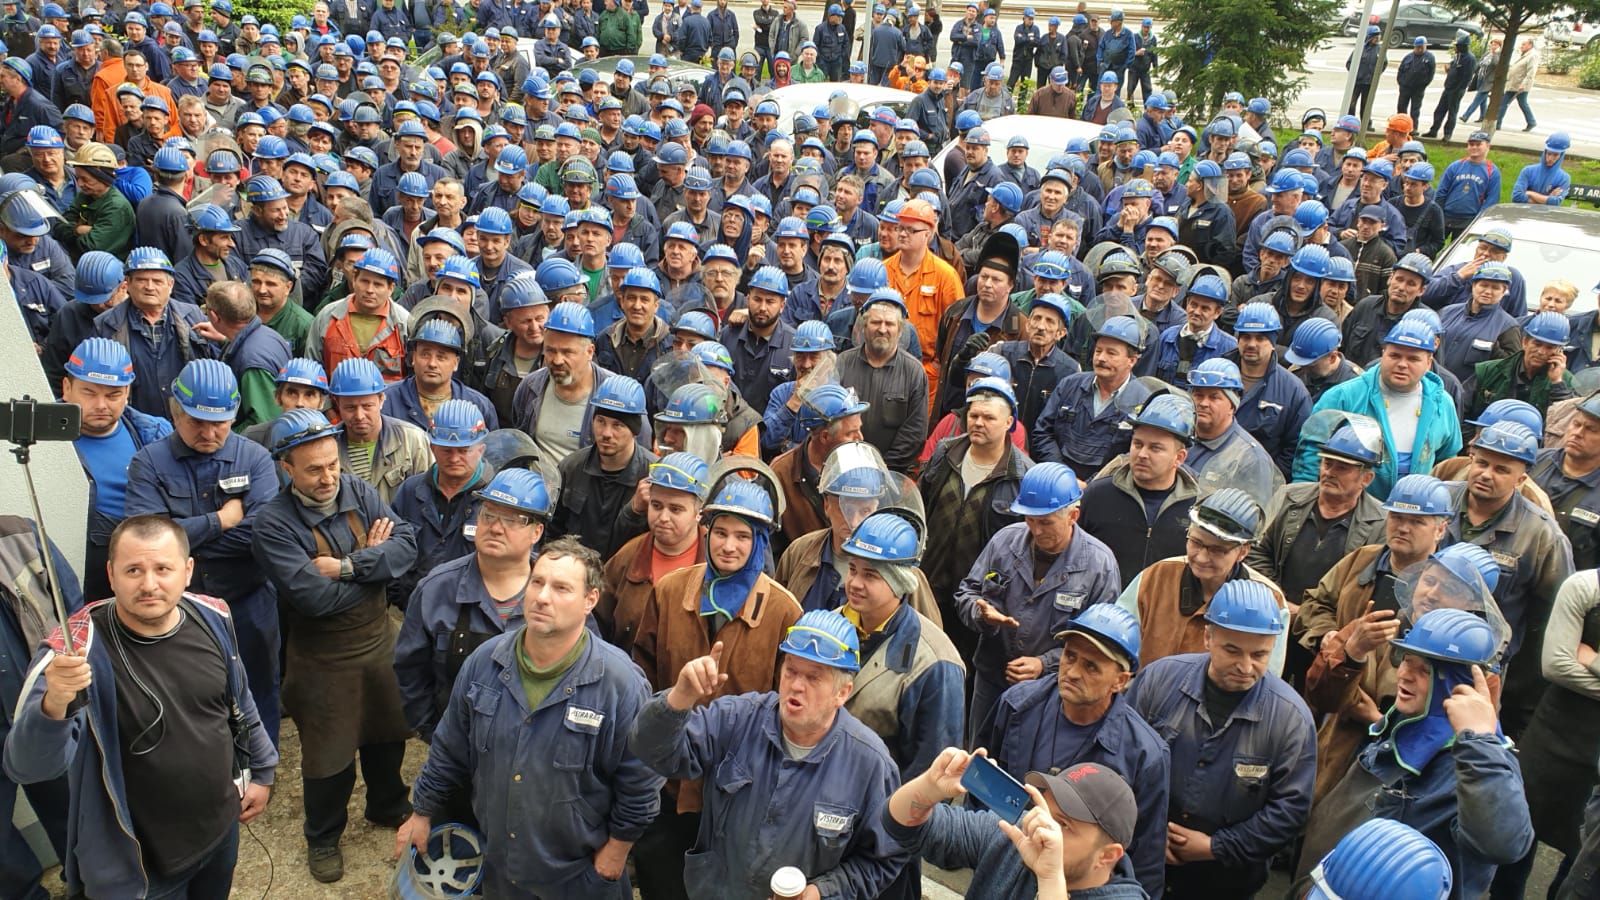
(1482, 83)
(1519, 81)
(1413, 77)
(1463, 69)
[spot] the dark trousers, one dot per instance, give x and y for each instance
(327, 800)
(1583, 875)
(209, 879)
(1445, 113)
(1019, 70)
(1139, 78)
(19, 867)
(658, 856)
(877, 74)
(1359, 98)
(1411, 103)
(255, 619)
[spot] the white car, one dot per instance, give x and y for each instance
(1549, 242)
(798, 98)
(1572, 30)
(1047, 137)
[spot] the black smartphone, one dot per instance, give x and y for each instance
(998, 790)
(28, 421)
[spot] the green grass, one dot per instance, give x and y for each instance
(1510, 162)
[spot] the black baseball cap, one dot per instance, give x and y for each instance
(1089, 792)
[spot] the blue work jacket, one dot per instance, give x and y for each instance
(1069, 431)
(169, 478)
(559, 780)
(1247, 781)
(402, 401)
(765, 810)
(1470, 338)
(1164, 363)
(1448, 287)
(1080, 576)
(1022, 736)
(1274, 410)
(445, 528)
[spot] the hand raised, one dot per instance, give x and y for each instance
(698, 680)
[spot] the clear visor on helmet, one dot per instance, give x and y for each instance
(1432, 585)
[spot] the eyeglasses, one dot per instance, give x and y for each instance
(1201, 548)
(488, 516)
(820, 644)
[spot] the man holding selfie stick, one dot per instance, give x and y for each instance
(155, 680)
(1094, 806)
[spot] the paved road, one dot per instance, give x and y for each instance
(1573, 111)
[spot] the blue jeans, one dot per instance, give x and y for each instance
(1480, 104)
(1522, 101)
(211, 877)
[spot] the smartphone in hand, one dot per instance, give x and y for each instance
(998, 790)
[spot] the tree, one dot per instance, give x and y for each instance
(1508, 17)
(1255, 47)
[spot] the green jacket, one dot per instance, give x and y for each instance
(293, 321)
(800, 76)
(619, 31)
(1495, 379)
(112, 221)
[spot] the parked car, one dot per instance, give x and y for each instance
(797, 98)
(678, 72)
(1572, 29)
(1417, 19)
(1548, 242)
(1047, 137)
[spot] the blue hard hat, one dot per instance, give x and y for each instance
(990, 365)
(296, 427)
(1124, 329)
(641, 278)
(1311, 261)
(520, 292)
(460, 268)
(356, 377)
(1315, 338)
(885, 537)
(101, 361)
(619, 395)
(43, 137)
(1111, 628)
(99, 274)
(1419, 495)
(691, 404)
(439, 331)
(494, 220)
(207, 390)
(1416, 264)
(1548, 328)
(457, 423)
(1008, 195)
(680, 472)
(148, 259)
(720, 252)
(624, 256)
(571, 318)
(1309, 216)
(1509, 438)
(867, 275)
(379, 262)
(770, 279)
(1493, 271)
(1209, 287)
(812, 337)
(1257, 318)
(1345, 445)
(1382, 858)
(696, 323)
(968, 119)
(265, 188)
(304, 372)
(747, 500)
(20, 211)
(1560, 142)
(1341, 269)
(1229, 513)
(1470, 562)
(1247, 606)
(1169, 412)
(1217, 373)
(714, 354)
(1510, 410)
(1415, 334)
(519, 489)
(1000, 387)
(556, 275)
(1046, 488)
(826, 637)
(1427, 317)
(828, 403)
(1279, 242)
(1451, 636)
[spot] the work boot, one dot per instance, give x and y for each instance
(326, 863)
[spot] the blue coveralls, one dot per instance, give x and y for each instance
(560, 779)
(1273, 411)
(1069, 431)
(1246, 781)
(445, 528)
(402, 401)
(759, 365)
(1469, 339)
(1029, 733)
(1448, 288)
(159, 352)
(764, 809)
(1164, 363)
(169, 478)
(1003, 575)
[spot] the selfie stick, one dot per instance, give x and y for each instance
(21, 451)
